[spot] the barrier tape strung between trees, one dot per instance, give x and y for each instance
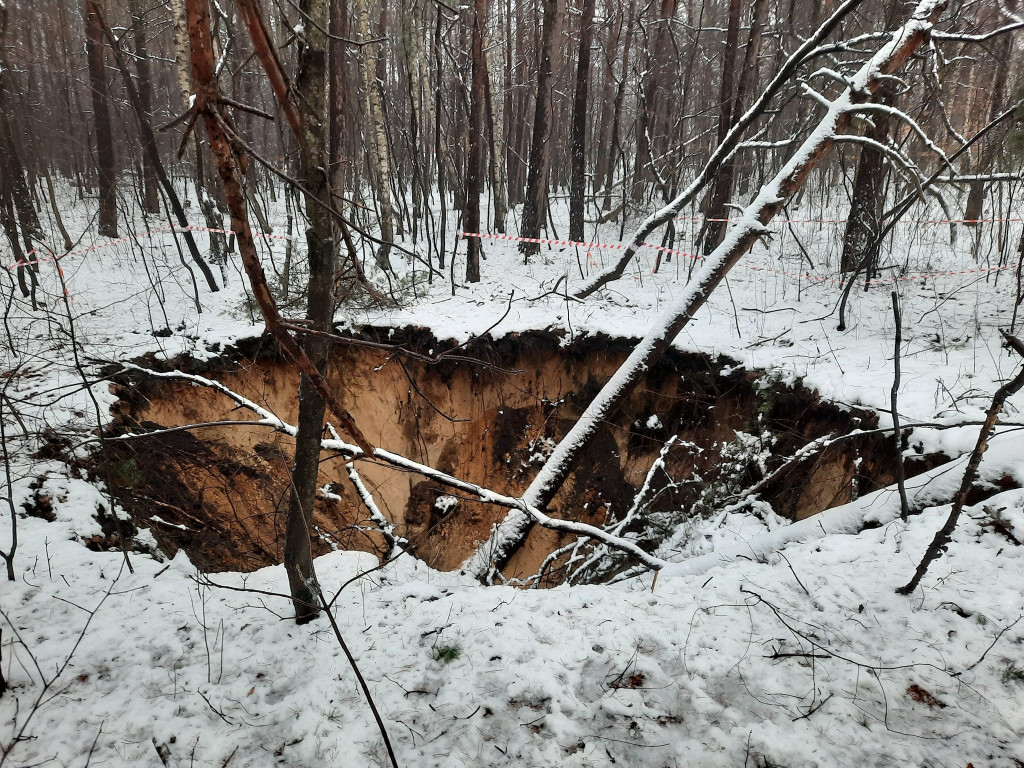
(845, 221)
(751, 267)
(580, 244)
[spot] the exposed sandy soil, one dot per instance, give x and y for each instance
(220, 491)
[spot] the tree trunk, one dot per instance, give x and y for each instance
(337, 89)
(150, 194)
(496, 123)
(310, 89)
(860, 240)
(578, 180)
(540, 149)
(613, 148)
(379, 154)
(15, 187)
(105, 160)
(182, 68)
(475, 171)
(645, 111)
(721, 186)
(207, 202)
(990, 148)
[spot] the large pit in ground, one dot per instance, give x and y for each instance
(220, 492)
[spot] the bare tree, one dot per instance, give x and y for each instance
(578, 181)
(535, 204)
(310, 91)
(150, 194)
(477, 144)
(105, 160)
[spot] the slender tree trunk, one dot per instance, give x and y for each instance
(860, 240)
(105, 159)
(540, 148)
(721, 185)
(496, 123)
(646, 110)
(1003, 46)
(517, 77)
(338, 91)
(182, 68)
(439, 143)
(207, 202)
(52, 195)
(609, 50)
(379, 154)
(150, 195)
(310, 90)
(578, 180)
(12, 173)
(475, 171)
(614, 149)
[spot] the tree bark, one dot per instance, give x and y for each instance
(496, 123)
(540, 148)
(646, 110)
(614, 149)
(207, 202)
(475, 171)
(974, 210)
(379, 154)
(721, 185)
(860, 239)
(578, 179)
(150, 194)
(105, 160)
(14, 187)
(310, 89)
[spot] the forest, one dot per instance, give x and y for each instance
(512, 382)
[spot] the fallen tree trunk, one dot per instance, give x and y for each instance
(510, 534)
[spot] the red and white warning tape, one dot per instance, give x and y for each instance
(579, 244)
(844, 221)
(751, 267)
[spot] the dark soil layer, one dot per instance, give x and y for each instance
(220, 492)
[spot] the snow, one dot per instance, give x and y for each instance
(678, 671)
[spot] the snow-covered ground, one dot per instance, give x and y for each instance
(740, 657)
